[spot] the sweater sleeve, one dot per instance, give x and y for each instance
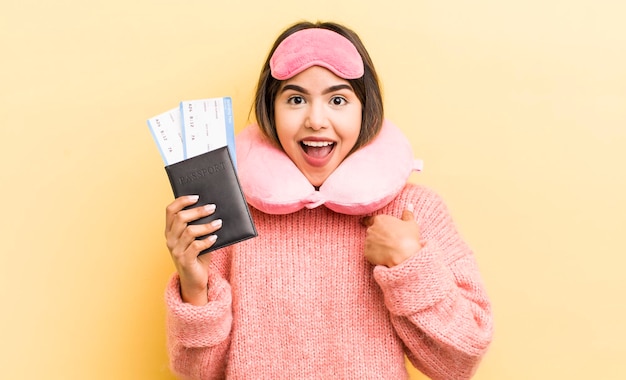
(198, 337)
(437, 301)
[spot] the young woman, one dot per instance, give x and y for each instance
(353, 267)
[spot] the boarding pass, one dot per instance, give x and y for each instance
(193, 128)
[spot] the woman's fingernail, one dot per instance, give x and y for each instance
(193, 198)
(212, 238)
(216, 223)
(210, 207)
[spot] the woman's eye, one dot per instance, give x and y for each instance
(296, 100)
(338, 101)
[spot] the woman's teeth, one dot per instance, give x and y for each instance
(316, 144)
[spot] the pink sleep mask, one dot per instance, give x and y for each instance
(316, 47)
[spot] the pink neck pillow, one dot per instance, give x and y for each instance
(365, 181)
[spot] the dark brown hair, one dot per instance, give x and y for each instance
(366, 88)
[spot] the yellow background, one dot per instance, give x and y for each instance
(517, 107)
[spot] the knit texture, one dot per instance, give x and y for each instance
(301, 302)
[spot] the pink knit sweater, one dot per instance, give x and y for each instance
(301, 302)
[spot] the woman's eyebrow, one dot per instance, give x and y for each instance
(337, 88)
(294, 88)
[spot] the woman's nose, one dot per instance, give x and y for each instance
(316, 117)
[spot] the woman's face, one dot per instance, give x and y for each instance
(318, 120)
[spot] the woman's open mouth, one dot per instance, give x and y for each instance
(316, 152)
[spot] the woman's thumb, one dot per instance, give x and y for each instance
(407, 214)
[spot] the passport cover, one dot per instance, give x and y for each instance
(212, 176)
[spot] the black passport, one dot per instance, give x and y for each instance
(212, 176)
